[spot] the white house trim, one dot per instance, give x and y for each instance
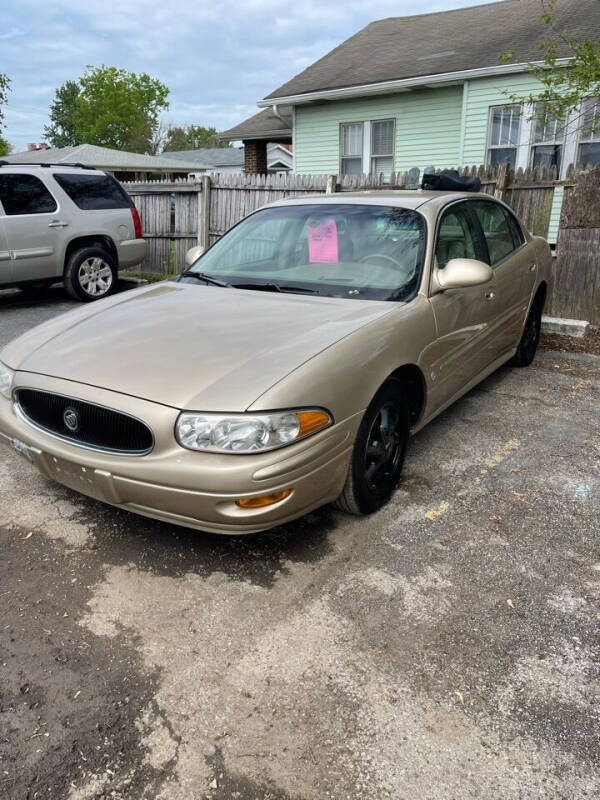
(385, 87)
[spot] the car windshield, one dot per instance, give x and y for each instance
(334, 249)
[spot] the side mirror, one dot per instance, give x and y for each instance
(193, 254)
(462, 272)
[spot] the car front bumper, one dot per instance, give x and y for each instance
(196, 490)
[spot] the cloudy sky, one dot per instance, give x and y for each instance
(216, 56)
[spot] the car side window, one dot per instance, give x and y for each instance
(497, 229)
(25, 194)
(457, 235)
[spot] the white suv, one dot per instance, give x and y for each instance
(68, 223)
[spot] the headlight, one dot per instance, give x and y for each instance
(6, 379)
(248, 433)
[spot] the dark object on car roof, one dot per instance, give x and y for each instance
(450, 181)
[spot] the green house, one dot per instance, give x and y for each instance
(431, 91)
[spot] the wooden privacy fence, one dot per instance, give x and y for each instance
(576, 292)
(178, 215)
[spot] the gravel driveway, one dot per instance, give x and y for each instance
(445, 648)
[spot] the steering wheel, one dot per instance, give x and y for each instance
(384, 256)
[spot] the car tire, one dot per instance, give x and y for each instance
(90, 274)
(378, 453)
(531, 335)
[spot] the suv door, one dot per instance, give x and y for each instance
(33, 231)
(463, 347)
(510, 259)
(5, 260)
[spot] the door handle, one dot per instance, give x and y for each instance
(490, 295)
(532, 267)
(56, 223)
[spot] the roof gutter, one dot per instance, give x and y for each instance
(404, 84)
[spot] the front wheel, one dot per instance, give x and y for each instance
(378, 454)
(90, 274)
(531, 336)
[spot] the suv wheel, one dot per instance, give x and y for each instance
(90, 274)
(378, 453)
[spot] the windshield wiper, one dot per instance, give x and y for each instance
(275, 287)
(202, 276)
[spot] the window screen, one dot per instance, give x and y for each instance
(351, 147)
(548, 137)
(589, 138)
(25, 194)
(382, 147)
(503, 139)
(93, 192)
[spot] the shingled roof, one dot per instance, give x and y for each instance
(264, 125)
(463, 39)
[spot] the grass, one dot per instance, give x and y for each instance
(152, 277)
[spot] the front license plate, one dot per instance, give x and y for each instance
(21, 448)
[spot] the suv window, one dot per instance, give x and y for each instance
(93, 192)
(497, 228)
(25, 194)
(457, 235)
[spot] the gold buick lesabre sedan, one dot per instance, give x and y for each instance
(287, 366)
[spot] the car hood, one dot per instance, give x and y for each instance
(189, 346)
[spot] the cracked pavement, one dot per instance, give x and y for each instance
(446, 647)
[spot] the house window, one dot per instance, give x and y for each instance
(548, 138)
(382, 147)
(351, 148)
(367, 147)
(503, 135)
(589, 136)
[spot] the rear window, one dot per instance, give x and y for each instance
(93, 192)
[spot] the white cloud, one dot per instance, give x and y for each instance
(217, 58)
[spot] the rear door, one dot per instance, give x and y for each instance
(31, 225)
(510, 258)
(463, 347)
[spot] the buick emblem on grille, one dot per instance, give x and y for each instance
(71, 419)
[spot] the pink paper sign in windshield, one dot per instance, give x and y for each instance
(322, 242)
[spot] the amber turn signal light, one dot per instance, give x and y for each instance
(311, 421)
(263, 500)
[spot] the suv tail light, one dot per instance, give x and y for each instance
(137, 223)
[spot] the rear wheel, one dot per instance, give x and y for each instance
(90, 274)
(531, 335)
(378, 454)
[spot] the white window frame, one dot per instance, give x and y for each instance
(367, 155)
(517, 147)
(391, 155)
(341, 139)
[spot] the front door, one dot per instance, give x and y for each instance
(510, 259)
(463, 347)
(32, 227)
(5, 259)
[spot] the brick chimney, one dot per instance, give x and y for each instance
(31, 147)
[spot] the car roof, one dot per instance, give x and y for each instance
(391, 197)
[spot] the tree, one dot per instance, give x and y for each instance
(192, 137)
(563, 87)
(61, 130)
(4, 89)
(109, 107)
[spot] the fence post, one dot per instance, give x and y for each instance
(332, 184)
(204, 212)
(502, 181)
